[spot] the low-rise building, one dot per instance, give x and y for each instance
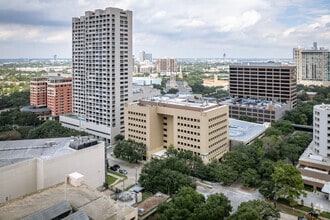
(65, 201)
(314, 163)
(260, 110)
(244, 132)
(27, 166)
(160, 122)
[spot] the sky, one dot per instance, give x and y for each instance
(172, 28)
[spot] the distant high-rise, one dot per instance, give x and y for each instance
(167, 65)
(145, 56)
(313, 66)
(269, 82)
(102, 66)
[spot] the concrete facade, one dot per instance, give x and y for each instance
(167, 65)
(197, 127)
(102, 65)
(31, 175)
(276, 82)
(314, 163)
(313, 66)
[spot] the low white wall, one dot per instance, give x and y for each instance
(18, 179)
(29, 176)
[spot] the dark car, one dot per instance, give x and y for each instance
(122, 171)
(115, 167)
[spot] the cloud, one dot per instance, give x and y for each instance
(191, 28)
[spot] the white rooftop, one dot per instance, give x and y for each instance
(244, 131)
(15, 151)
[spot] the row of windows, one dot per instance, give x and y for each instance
(137, 131)
(188, 138)
(217, 117)
(217, 130)
(137, 125)
(137, 119)
(189, 125)
(189, 132)
(217, 124)
(188, 119)
(217, 136)
(185, 144)
(137, 113)
(217, 142)
(220, 149)
(135, 137)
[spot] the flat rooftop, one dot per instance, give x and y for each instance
(15, 151)
(244, 131)
(180, 102)
(311, 156)
(95, 204)
(252, 103)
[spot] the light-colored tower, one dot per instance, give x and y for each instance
(102, 69)
(313, 66)
(321, 127)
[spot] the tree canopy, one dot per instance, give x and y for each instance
(288, 182)
(255, 209)
(189, 204)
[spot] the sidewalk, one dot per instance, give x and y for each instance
(316, 199)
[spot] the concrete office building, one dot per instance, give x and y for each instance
(313, 66)
(314, 163)
(166, 65)
(162, 121)
(27, 166)
(269, 82)
(102, 64)
(260, 110)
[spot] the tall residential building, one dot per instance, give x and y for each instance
(161, 122)
(102, 64)
(59, 95)
(167, 65)
(314, 163)
(51, 92)
(38, 92)
(268, 82)
(313, 65)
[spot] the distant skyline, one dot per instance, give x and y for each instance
(168, 28)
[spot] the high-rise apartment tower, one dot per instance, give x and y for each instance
(102, 66)
(313, 65)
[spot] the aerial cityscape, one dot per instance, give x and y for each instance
(164, 110)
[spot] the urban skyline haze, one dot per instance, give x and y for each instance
(186, 29)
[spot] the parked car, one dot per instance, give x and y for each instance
(122, 171)
(115, 167)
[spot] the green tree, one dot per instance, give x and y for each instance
(250, 178)
(292, 152)
(130, 150)
(288, 182)
(226, 174)
(163, 176)
(182, 205)
(255, 209)
(216, 207)
(119, 137)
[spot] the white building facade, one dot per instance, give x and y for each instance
(102, 66)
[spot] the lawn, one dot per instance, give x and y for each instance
(111, 179)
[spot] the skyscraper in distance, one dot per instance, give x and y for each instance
(102, 66)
